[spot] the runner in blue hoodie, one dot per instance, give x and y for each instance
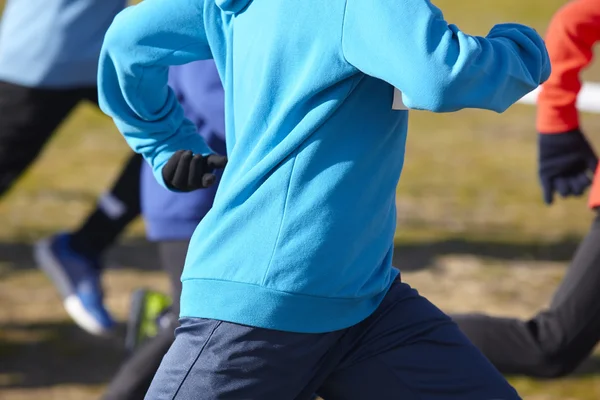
(48, 65)
(288, 287)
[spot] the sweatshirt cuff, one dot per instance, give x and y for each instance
(557, 119)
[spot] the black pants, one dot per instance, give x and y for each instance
(555, 341)
(28, 119)
(135, 375)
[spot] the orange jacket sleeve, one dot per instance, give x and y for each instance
(572, 33)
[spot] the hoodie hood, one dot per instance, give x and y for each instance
(232, 6)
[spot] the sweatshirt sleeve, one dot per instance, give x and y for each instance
(408, 44)
(572, 33)
(141, 44)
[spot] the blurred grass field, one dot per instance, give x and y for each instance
(472, 233)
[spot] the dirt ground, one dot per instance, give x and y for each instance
(43, 355)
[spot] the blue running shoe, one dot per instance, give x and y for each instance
(77, 279)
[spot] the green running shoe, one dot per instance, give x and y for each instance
(148, 310)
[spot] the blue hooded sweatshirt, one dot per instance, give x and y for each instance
(174, 216)
(300, 236)
(54, 44)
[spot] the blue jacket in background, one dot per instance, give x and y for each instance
(54, 43)
(300, 235)
(175, 216)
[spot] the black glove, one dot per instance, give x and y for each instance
(186, 172)
(566, 162)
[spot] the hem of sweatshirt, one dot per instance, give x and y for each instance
(158, 230)
(261, 307)
(49, 85)
(594, 196)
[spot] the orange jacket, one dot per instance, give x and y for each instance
(570, 39)
(572, 33)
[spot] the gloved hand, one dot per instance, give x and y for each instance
(566, 164)
(186, 172)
